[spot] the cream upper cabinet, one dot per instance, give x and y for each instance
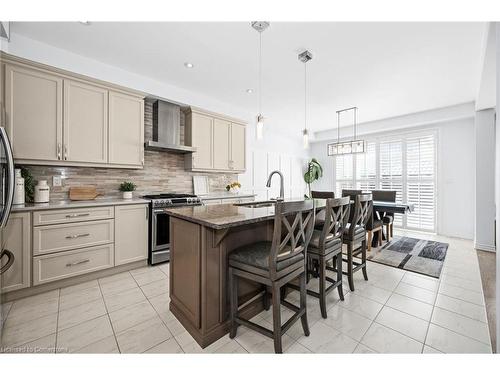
(59, 118)
(33, 109)
(237, 160)
(126, 129)
(221, 140)
(85, 122)
(17, 237)
(131, 233)
(199, 134)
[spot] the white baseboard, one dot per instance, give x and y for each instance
(479, 246)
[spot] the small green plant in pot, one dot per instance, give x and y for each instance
(127, 188)
(314, 172)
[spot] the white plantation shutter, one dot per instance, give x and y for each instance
(391, 171)
(420, 182)
(405, 164)
(366, 168)
(343, 173)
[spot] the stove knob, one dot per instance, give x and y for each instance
(190, 200)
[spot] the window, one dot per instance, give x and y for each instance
(405, 164)
(391, 171)
(343, 173)
(366, 168)
(420, 182)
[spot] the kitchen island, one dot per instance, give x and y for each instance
(201, 239)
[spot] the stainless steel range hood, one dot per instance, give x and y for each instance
(167, 129)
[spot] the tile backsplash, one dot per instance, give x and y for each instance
(163, 172)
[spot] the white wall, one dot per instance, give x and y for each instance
(455, 178)
(274, 153)
(484, 231)
(497, 180)
(282, 144)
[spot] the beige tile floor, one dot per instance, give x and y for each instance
(394, 312)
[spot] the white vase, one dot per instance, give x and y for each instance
(18, 188)
(42, 192)
(235, 190)
(127, 195)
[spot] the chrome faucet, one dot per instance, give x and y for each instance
(282, 188)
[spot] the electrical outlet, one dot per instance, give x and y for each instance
(56, 181)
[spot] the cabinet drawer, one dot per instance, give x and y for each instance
(55, 238)
(72, 215)
(52, 267)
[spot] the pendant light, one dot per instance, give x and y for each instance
(354, 146)
(260, 26)
(305, 57)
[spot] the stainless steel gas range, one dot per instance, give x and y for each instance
(159, 233)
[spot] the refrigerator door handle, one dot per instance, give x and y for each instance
(10, 260)
(10, 178)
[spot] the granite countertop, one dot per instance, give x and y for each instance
(223, 216)
(62, 204)
(225, 195)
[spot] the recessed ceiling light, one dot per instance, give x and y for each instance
(249, 91)
(86, 23)
(188, 65)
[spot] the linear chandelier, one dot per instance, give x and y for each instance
(354, 146)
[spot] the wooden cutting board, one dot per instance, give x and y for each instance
(82, 193)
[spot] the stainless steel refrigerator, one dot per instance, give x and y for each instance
(7, 258)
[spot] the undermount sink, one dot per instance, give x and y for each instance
(256, 204)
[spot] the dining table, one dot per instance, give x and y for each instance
(380, 208)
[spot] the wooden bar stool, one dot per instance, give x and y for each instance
(355, 237)
(320, 216)
(326, 245)
(274, 264)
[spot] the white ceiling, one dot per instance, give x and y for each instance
(386, 69)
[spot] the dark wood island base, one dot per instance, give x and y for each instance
(198, 276)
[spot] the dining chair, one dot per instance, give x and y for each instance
(387, 217)
(374, 227)
(326, 246)
(355, 237)
(274, 264)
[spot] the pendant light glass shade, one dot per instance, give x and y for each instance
(305, 138)
(260, 26)
(305, 57)
(260, 127)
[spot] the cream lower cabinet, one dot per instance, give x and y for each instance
(219, 141)
(17, 237)
(131, 233)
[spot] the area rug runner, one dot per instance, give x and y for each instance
(413, 254)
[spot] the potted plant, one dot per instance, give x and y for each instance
(127, 188)
(314, 172)
(234, 187)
